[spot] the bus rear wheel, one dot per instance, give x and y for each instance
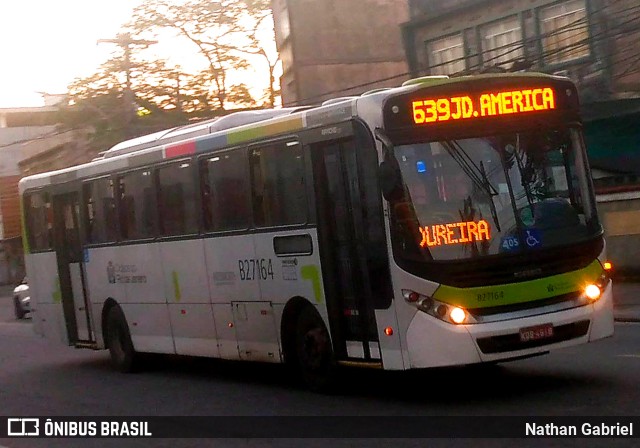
(123, 355)
(314, 354)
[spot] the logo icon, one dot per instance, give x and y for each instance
(23, 427)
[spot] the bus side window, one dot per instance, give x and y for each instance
(137, 209)
(39, 220)
(100, 211)
(225, 191)
(176, 199)
(278, 185)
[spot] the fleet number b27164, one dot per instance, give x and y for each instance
(253, 269)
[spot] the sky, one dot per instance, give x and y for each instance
(46, 44)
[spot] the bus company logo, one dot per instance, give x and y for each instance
(23, 427)
(528, 273)
(124, 273)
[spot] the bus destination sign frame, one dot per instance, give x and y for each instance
(467, 108)
(489, 104)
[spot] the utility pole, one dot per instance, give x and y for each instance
(125, 41)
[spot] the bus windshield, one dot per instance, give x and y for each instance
(491, 195)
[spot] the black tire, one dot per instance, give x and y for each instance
(313, 352)
(123, 356)
(19, 311)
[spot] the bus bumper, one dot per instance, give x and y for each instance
(433, 343)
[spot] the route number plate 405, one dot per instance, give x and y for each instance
(534, 333)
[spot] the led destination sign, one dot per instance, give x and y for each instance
(455, 233)
(488, 104)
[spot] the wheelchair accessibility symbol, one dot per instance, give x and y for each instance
(532, 238)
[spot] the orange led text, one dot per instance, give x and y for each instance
(454, 233)
(486, 105)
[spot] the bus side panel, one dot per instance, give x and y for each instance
(229, 265)
(294, 271)
(145, 307)
(186, 288)
(44, 286)
(231, 279)
(102, 283)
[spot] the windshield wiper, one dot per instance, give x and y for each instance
(492, 205)
(477, 174)
(524, 182)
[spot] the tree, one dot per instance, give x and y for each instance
(99, 102)
(222, 31)
(254, 46)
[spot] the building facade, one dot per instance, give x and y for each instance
(332, 48)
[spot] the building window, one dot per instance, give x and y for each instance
(278, 185)
(446, 55)
(502, 42)
(177, 199)
(565, 34)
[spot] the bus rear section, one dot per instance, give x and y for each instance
(498, 250)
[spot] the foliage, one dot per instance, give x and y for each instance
(222, 31)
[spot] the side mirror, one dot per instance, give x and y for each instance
(390, 180)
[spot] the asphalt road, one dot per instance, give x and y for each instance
(41, 377)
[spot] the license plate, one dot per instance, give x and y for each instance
(535, 333)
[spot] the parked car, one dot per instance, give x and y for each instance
(22, 299)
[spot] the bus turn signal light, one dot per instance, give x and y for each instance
(592, 292)
(607, 265)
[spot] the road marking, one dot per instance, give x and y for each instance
(629, 356)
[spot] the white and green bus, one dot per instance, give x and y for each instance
(443, 222)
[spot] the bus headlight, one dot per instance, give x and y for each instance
(592, 292)
(448, 313)
(457, 315)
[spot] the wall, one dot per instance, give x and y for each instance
(339, 47)
(620, 216)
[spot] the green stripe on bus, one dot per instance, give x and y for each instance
(512, 293)
(310, 272)
(176, 285)
(57, 293)
(264, 131)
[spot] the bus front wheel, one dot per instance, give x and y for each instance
(314, 354)
(123, 355)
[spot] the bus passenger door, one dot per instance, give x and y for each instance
(67, 243)
(347, 249)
